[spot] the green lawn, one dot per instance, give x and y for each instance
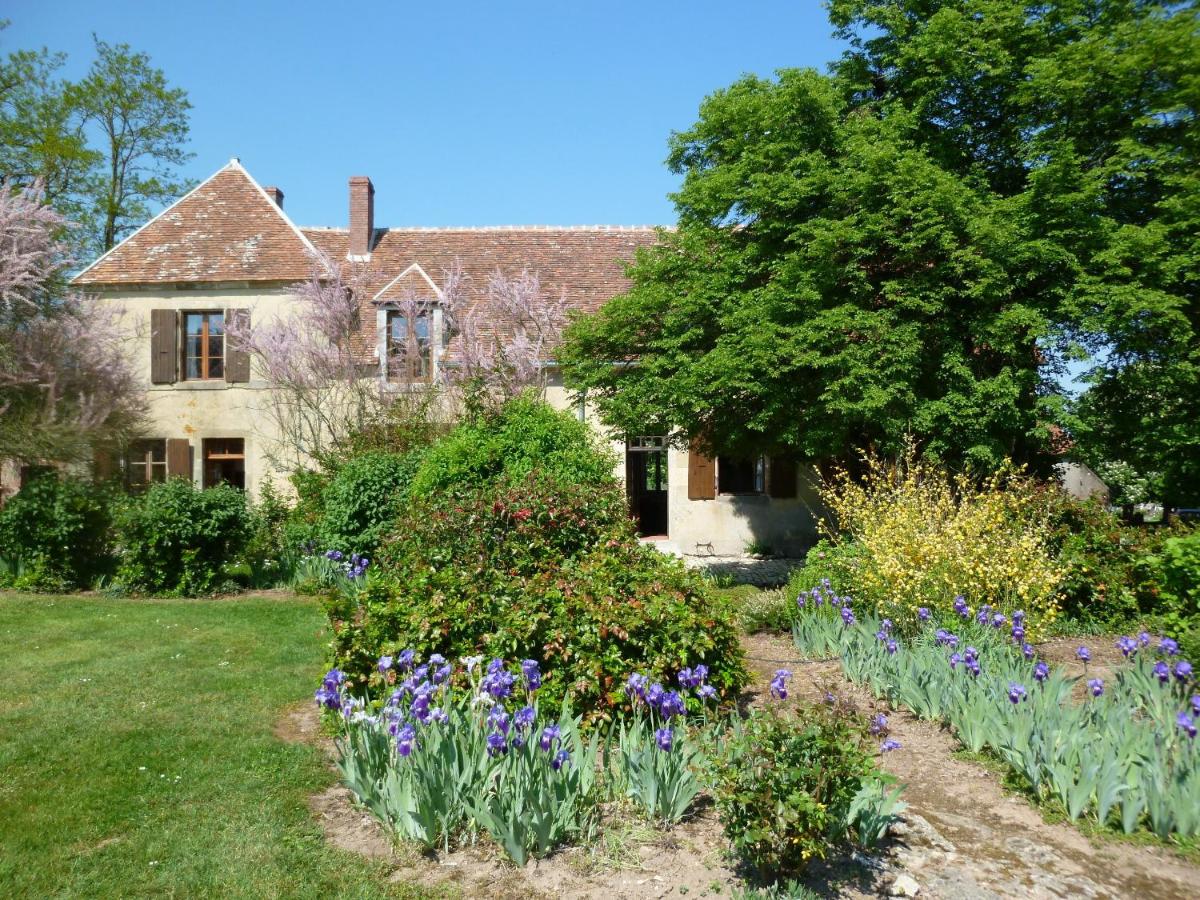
(137, 755)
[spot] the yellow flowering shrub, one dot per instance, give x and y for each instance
(909, 534)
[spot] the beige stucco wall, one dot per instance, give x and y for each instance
(724, 526)
(207, 409)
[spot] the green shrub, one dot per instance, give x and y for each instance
(524, 435)
(765, 610)
(1175, 569)
(362, 500)
(55, 533)
(543, 568)
(176, 539)
(270, 559)
(784, 787)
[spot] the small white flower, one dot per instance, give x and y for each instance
(471, 662)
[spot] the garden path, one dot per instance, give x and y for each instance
(965, 837)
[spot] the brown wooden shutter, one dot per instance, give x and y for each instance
(702, 477)
(782, 478)
(179, 458)
(164, 325)
(237, 359)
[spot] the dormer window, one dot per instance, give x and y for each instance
(409, 345)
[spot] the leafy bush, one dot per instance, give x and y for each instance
(524, 435)
(785, 786)
(1175, 569)
(177, 539)
(911, 535)
(363, 498)
(270, 559)
(55, 533)
(770, 610)
(543, 568)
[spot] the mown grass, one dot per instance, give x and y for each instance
(138, 757)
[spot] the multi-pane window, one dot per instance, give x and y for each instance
(203, 345)
(409, 348)
(146, 463)
(741, 476)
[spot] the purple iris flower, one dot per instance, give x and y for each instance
(524, 717)
(886, 626)
(879, 724)
(1084, 653)
(891, 647)
(848, 616)
(635, 687)
(561, 758)
(1127, 645)
(498, 681)
(1183, 670)
(442, 674)
(1187, 723)
(984, 614)
(706, 692)
(663, 737)
(1196, 704)
(1018, 634)
(1143, 639)
(1096, 686)
(1041, 672)
(999, 620)
(406, 740)
(955, 659)
(1168, 646)
(971, 654)
(550, 737)
(335, 555)
(654, 695)
(437, 714)
(405, 660)
(436, 659)
(800, 602)
(498, 719)
(881, 635)
(533, 677)
(960, 606)
(973, 667)
(1027, 651)
(1016, 692)
(1162, 671)
(1019, 617)
(672, 705)
(889, 745)
(939, 636)
(923, 613)
(385, 663)
(700, 673)
(779, 684)
(497, 744)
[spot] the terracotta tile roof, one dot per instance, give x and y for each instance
(585, 262)
(227, 229)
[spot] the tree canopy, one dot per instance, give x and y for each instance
(917, 242)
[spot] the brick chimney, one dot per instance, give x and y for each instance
(362, 215)
(276, 195)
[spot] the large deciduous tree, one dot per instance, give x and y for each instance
(916, 242)
(66, 383)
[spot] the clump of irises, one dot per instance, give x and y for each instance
(1120, 749)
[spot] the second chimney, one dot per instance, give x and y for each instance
(275, 194)
(362, 215)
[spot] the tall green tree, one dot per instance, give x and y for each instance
(915, 242)
(142, 123)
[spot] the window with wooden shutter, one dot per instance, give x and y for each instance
(164, 324)
(179, 458)
(702, 477)
(781, 482)
(237, 359)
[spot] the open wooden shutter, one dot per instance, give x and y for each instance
(163, 359)
(237, 360)
(179, 458)
(104, 464)
(702, 477)
(782, 478)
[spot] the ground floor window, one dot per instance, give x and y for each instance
(225, 462)
(741, 476)
(146, 463)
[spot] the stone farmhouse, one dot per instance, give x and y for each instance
(227, 250)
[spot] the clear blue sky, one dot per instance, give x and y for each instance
(468, 114)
